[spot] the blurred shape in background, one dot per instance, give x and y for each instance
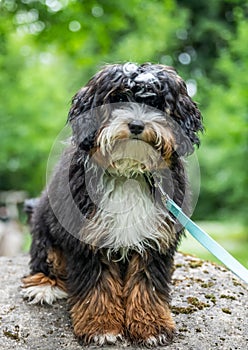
(11, 229)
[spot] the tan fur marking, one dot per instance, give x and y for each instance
(147, 312)
(122, 134)
(38, 279)
(57, 265)
(98, 158)
(167, 147)
(101, 312)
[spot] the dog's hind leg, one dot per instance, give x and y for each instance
(47, 280)
(96, 298)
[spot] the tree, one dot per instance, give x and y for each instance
(224, 153)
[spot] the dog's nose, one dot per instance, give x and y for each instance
(136, 127)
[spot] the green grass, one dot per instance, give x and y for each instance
(231, 236)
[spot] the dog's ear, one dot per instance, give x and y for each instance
(188, 114)
(86, 115)
(185, 112)
(83, 119)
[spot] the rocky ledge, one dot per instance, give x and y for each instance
(210, 308)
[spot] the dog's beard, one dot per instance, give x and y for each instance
(130, 158)
(127, 154)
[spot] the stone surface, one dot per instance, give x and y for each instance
(210, 308)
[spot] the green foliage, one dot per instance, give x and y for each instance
(224, 153)
(48, 49)
(33, 108)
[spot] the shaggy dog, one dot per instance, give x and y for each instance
(101, 235)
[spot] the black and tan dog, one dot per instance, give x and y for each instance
(101, 235)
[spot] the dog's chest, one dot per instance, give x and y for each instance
(126, 210)
(127, 216)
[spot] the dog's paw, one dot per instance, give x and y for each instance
(107, 339)
(158, 340)
(44, 294)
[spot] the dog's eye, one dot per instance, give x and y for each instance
(119, 98)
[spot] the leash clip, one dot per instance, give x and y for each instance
(158, 184)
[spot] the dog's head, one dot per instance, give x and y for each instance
(129, 110)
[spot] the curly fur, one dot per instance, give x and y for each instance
(100, 232)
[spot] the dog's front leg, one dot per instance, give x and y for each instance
(96, 297)
(148, 319)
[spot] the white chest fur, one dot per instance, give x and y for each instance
(127, 217)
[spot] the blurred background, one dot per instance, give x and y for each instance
(50, 48)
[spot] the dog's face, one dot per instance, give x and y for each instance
(137, 115)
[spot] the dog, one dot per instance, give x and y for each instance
(101, 235)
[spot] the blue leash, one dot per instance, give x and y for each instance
(202, 237)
